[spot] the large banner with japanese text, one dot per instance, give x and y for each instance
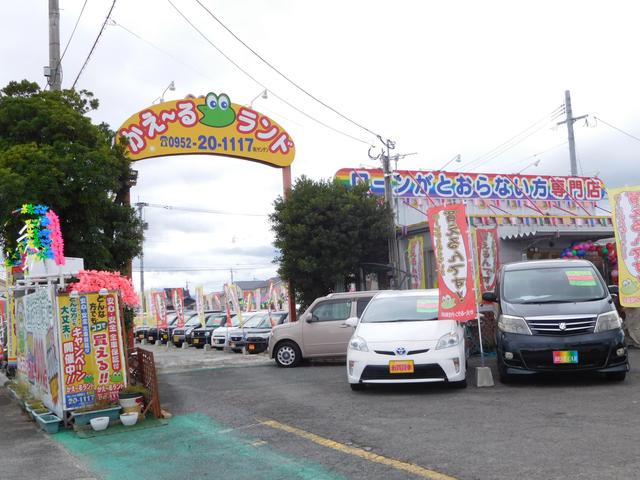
(444, 185)
(415, 256)
(200, 303)
(93, 366)
(451, 244)
(625, 205)
(210, 125)
(487, 255)
(159, 302)
(3, 326)
(177, 299)
(10, 319)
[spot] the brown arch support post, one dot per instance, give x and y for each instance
(286, 184)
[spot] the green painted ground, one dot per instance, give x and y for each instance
(190, 446)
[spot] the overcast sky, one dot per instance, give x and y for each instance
(438, 78)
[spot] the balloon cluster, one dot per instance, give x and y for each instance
(608, 251)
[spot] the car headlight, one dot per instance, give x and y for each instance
(511, 324)
(208, 334)
(608, 321)
(448, 340)
(358, 343)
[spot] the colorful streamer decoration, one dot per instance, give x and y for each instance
(40, 237)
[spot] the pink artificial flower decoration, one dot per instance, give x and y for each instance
(92, 281)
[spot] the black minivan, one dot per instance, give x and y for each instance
(557, 316)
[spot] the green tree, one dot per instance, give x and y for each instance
(324, 232)
(51, 153)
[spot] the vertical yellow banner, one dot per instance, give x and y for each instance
(625, 205)
(415, 251)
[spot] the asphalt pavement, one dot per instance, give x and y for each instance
(241, 417)
(542, 428)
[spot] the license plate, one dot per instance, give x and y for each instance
(140, 337)
(252, 346)
(232, 345)
(565, 356)
(175, 338)
(165, 337)
(401, 366)
(195, 340)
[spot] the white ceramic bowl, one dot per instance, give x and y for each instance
(99, 423)
(129, 419)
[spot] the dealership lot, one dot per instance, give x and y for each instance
(583, 427)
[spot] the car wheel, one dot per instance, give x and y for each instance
(502, 373)
(616, 376)
(357, 387)
(288, 355)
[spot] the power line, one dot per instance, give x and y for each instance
(516, 139)
(74, 29)
(616, 128)
(104, 24)
(206, 269)
(201, 210)
(284, 76)
(260, 83)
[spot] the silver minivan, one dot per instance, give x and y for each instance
(321, 330)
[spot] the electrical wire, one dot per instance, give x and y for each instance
(284, 76)
(516, 139)
(202, 210)
(260, 83)
(74, 30)
(104, 24)
(616, 128)
(206, 269)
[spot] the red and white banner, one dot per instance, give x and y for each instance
(487, 241)
(159, 300)
(451, 245)
(177, 298)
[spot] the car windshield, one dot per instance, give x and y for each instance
(552, 285)
(193, 321)
(401, 309)
(215, 320)
(256, 320)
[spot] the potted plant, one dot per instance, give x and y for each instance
(82, 416)
(132, 398)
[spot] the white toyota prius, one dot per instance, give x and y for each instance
(399, 339)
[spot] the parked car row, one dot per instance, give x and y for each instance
(252, 335)
(554, 316)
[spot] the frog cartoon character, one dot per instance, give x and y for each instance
(217, 111)
(447, 302)
(629, 286)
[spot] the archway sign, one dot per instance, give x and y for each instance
(210, 125)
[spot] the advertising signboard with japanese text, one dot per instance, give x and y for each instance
(625, 205)
(177, 299)
(415, 249)
(444, 185)
(3, 326)
(39, 359)
(93, 367)
(10, 319)
(487, 255)
(451, 244)
(210, 125)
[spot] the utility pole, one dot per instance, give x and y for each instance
(140, 206)
(54, 71)
(388, 198)
(572, 141)
(231, 270)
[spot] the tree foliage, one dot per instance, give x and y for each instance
(51, 153)
(324, 231)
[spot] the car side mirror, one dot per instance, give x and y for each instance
(614, 290)
(351, 321)
(311, 318)
(489, 297)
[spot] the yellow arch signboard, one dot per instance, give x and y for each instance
(209, 125)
